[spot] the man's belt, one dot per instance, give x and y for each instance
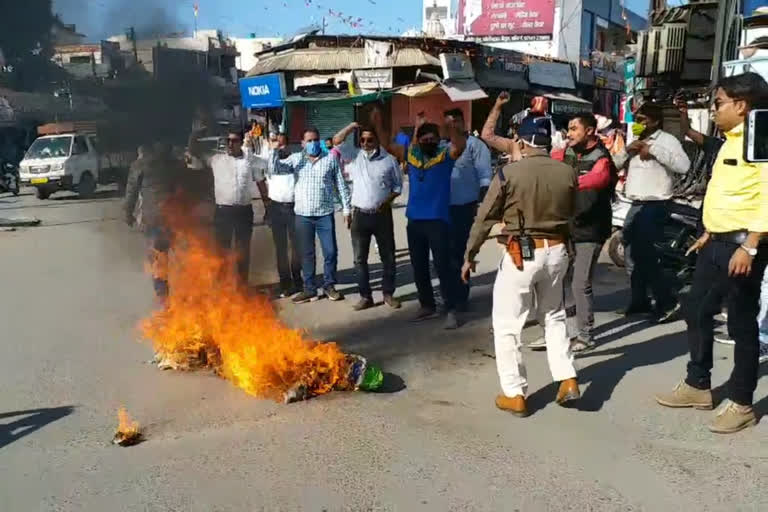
(733, 237)
(367, 211)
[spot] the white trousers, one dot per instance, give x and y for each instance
(513, 298)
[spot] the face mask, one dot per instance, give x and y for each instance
(638, 129)
(429, 150)
(313, 148)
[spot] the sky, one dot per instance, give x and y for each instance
(101, 18)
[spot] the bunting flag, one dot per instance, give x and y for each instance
(352, 21)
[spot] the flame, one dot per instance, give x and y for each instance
(209, 319)
(126, 427)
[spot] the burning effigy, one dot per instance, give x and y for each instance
(209, 321)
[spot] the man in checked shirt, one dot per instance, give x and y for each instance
(319, 183)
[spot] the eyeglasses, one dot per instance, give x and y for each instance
(720, 103)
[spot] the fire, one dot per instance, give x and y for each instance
(128, 431)
(208, 320)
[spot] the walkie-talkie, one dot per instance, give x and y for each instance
(527, 245)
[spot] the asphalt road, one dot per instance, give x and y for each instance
(73, 292)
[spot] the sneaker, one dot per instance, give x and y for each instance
(333, 294)
(392, 302)
(686, 396)
(424, 314)
(581, 344)
(763, 353)
(304, 297)
(364, 303)
(451, 321)
(722, 317)
(670, 315)
(724, 339)
(538, 344)
(731, 417)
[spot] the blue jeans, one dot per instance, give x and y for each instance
(325, 229)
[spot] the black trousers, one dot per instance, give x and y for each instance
(643, 229)
(462, 217)
(379, 225)
(711, 285)
(432, 235)
(283, 221)
(235, 221)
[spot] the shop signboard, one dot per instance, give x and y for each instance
(263, 91)
(374, 79)
(506, 20)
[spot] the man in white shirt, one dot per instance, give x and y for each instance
(234, 175)
(283, 220)
(652, 162)
(376, 182)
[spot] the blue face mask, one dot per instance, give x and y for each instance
(313, 148)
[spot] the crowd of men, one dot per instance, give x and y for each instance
(556, 215)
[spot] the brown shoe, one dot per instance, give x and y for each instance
(731, 417)
(569, 390)
(686, 396)
(515, 405)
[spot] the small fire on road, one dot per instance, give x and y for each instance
(128, 432)
(208, 321)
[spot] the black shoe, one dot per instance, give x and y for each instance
(639, 309)
(304, 297)
(668, 315)
(392, 302)
(364, 303)
(333, 294)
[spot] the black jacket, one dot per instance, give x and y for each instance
(593, 218)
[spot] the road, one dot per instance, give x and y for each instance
(73, 291)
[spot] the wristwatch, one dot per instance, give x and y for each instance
(749, 250)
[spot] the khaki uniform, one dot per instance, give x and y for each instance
(544, 191)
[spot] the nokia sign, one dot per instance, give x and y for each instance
(265, 91)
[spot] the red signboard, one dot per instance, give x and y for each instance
(506, 20)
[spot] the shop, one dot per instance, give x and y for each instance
(555, 81)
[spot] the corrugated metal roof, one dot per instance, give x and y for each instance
(329, 59)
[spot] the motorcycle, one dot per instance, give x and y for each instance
(9, 178)
(680, 232)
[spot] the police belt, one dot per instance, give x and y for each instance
(539, 241)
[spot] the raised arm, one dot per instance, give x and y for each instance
(284, 165)
(498, 142)
(458, 141)
(685, 123)
(340, 137)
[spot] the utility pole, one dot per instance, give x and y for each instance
(131, 33)
(323, 25)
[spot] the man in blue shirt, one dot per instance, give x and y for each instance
(377, 181)
(429, 215)
(319, 184)
(469, 182)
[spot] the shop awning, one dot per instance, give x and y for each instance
(362, 98)
(463, 90)
(497, 79)
(416, 90)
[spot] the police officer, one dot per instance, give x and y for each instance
(535, 199)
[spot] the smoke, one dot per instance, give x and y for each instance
(102, 19)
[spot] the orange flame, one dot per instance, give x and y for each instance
(208, 318)
(126, 427)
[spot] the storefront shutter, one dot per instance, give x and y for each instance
(328, 117)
